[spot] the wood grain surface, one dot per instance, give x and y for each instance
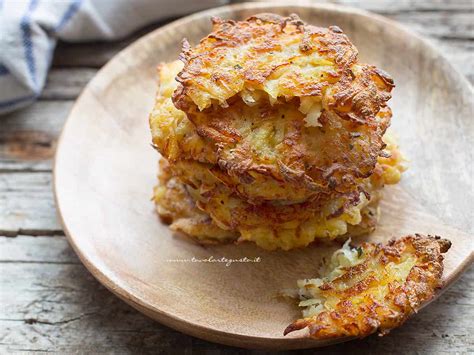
(51, 303)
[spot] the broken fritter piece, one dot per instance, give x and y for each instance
(371, 288)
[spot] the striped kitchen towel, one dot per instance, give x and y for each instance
(29, 30)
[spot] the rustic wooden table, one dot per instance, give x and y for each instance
(50, 302)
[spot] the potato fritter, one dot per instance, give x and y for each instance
(266, 152)
(281, 56)
(291, 113)
(371, 288)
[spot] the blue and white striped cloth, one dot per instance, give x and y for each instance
(29, 30)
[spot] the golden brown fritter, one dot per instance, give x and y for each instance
(371, 288)
(290, 112)
(281, 56)
(266, 152)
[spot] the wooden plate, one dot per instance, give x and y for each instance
(105, 169)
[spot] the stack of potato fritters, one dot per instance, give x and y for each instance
(272, 132)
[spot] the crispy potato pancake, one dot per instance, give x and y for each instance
(281, 56)
(371, 288)
(267, 152)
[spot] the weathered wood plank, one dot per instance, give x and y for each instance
(96, 54)
(28, 137)
(447, 25)
(51, 303)
(92, 55)
(27, 204)
(66, 84)
(390, 6)
(37, 249)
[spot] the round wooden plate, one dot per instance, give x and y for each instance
(105, 170)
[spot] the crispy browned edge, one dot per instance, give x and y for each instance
(423, 280)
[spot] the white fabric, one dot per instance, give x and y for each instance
(29, 30)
